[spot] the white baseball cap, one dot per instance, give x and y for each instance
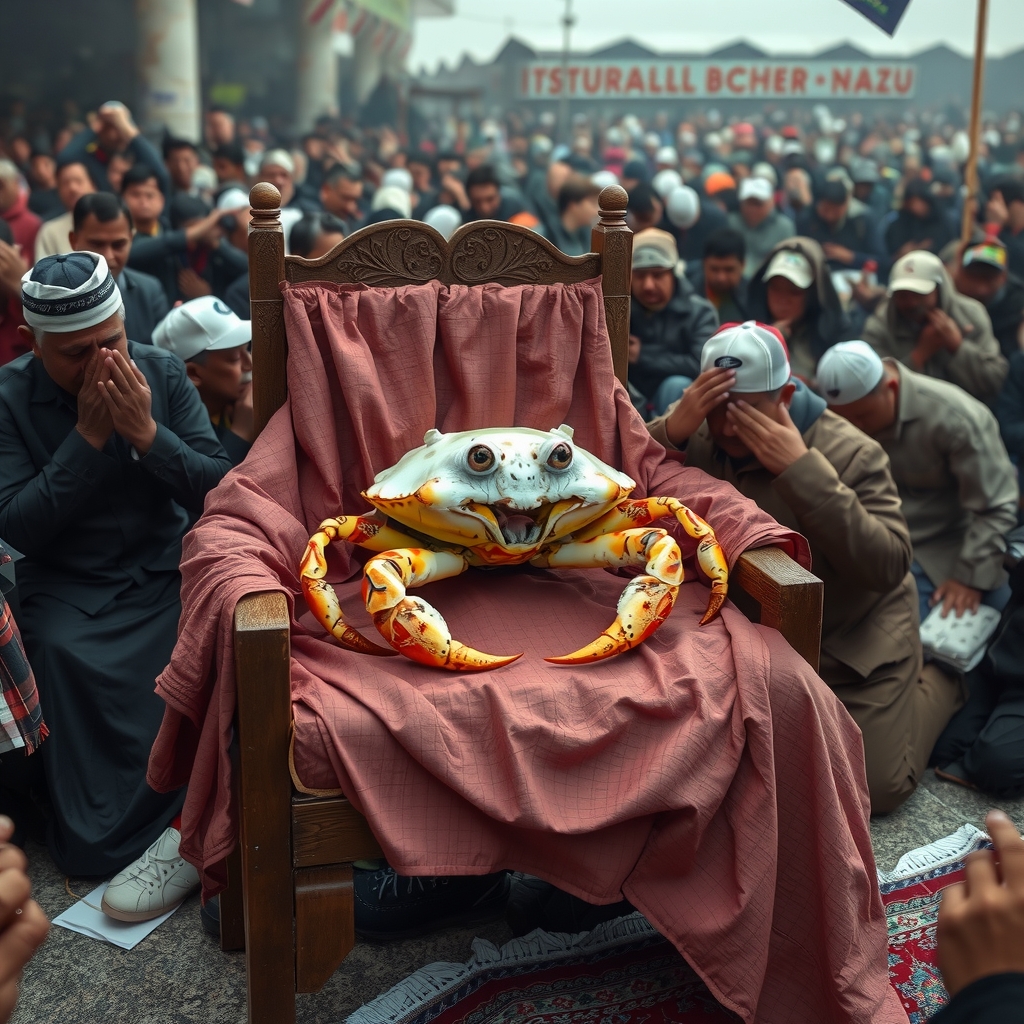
(201, 325)
(849, 371)
(756, 188)
(665, 181)
(682, 207)
(793, 266)
(397, 177)
(919, 271)
(754, 351)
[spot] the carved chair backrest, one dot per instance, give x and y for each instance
(406, 252)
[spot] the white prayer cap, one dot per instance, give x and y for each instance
(683, 207)
(397, 177)
(232, 199)
(849, 371)
(391, 197)
(444, 219)
(667, 155)
(69, 292)
(602, 179)
(665, 181)
(278, 158)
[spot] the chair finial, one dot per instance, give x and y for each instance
(612, 204)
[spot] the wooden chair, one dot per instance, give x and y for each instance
(289, 900)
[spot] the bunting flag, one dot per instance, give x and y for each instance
(885, 14)
(319, 10)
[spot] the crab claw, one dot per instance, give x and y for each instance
(644, 605)
(418, 630)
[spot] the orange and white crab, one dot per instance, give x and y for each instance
(504, 496)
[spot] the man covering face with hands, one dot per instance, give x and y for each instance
(105, 452)
(745, 420)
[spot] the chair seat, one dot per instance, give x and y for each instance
(329, 830)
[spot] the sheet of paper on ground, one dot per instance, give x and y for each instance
(87, 920)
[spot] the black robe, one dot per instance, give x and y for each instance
(99, 589)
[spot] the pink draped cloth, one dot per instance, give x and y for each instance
(708, 775)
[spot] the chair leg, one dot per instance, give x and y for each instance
(324, 923)
(232, 910)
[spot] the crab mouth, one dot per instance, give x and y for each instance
(520, 526)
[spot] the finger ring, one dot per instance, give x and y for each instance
(18, 911)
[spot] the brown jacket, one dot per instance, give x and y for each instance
(842, 498)
(956, 481)
(978, 365)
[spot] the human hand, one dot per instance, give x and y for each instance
(207, 230)
(867, 295)
(191, 285)
(118, 116)
(956, 596)
(129, 402)
(996, 211)
(776, 445)
(94, 422)
(709, 390)
(450, 183)
(243, 422)
(12, 267)
(946, 327)
(784, 327)
(23, 925)
(929, 342)
(839, 253)
(981, 920)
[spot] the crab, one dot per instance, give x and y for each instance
(497, 497)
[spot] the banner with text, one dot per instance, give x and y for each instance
(711, 79)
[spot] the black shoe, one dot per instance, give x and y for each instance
(392, 906)
(209, 916)
(534, 903)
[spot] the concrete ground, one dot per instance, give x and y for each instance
(179, 976)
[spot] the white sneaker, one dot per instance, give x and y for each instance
(157, 882)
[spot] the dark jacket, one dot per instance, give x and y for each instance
(165, 254)
(670, 339)
(736, 308)
(91, 523)
(1014, 250)
(997, 999)
(1010, 408)
(1006, 311)
(856, 232)
(145, 304)
(236, 297)
(822, 325)
(932, 232)
(85, 149)
(236, 447)
(691, 240)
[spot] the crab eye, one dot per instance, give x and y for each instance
(560, 457)
(480, 458)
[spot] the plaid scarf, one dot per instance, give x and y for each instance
(21, 719)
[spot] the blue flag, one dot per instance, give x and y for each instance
(885, 14)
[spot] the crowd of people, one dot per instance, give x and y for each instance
(808, 323)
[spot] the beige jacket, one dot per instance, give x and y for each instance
(842, 498)
(956, 481)
(53, 237)
(978, 365)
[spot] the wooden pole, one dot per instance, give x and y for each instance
(971, 171)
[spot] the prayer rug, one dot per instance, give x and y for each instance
(624, 971)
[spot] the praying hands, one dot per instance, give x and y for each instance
(776, 444)
(128, 401)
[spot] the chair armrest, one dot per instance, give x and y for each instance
(790, 598)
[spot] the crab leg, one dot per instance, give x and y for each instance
(411, 625)
(636, 512)
(366, 532)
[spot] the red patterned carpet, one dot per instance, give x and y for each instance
(624, 972)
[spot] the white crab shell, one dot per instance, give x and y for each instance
(517, 503)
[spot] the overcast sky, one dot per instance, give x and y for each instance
(480, 27)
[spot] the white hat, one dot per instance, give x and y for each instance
(201, 325)
(232, 199)
(391, 197)
(444, 219)
(919, 271)
(849, 371)
(754, 351)
(278, 158)
(793, 266)
(763, 169)
(683, 207)
(665, 181)
(69, 292)
(756, 188)
(397, 177)
(602, 179)
(667, 155)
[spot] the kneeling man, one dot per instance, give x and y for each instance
(105, 450)
(746, 421)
